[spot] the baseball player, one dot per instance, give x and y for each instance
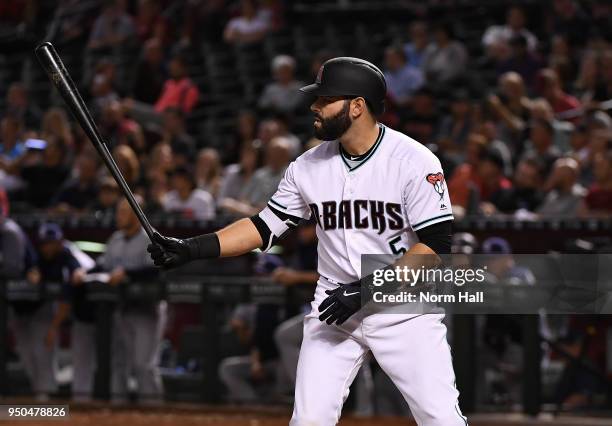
(370, 189)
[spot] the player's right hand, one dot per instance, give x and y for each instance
(168, 252)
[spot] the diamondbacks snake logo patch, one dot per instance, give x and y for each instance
(437, 180)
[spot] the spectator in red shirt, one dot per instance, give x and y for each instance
(464, 183)
(598, 201)
(179, 91)
(550, 88)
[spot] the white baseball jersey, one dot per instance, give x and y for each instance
(371, 206)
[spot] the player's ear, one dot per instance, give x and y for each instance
(358, 107)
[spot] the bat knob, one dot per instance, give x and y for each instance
(43, 45)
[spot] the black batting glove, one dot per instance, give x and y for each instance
(168, 252)
(341, 303)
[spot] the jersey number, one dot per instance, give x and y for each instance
(394, 248)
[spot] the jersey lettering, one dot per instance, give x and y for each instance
(329, 215)
(344, 216)
(374, 214)
(357, 206)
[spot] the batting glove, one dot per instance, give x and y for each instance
(168, 252)
(341, 303)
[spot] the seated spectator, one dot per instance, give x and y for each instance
(579, 145)
(19, 105)
(265, 180)
(208, 171)
(445, 59)
(204, 21)
(128, 164)
(237, 177)
(150, 73)
(488, 130)
(492, 182)
(118, 129)
(562, 60)
(250, 27)
(402, 78)
(245, 133)
(464, 182)
(454, 128)
(553, 92)
(420, 122)
(79, 193)
(187, 200)
(419, 40)
(112, 28)
(567, 17)
(108, 197)
(598, 200)
(541, 109)
(174, 133)
(148, 17)
(12, 151)
(44, 177)
(496, 38)
(511, 107)
(161, 161)
(526, 192)
(102, 93)
(542, 144)
(521, 61)
(273, 127)
(55, 125)
(283, 95)
(179, 91)
(563, 193)
(74, 19)
(589, 76)
(11, 145)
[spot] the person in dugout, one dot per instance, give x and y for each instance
(36, 323)
(138, 325)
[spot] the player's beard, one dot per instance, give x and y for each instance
(334, 127)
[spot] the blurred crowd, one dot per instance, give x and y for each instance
(521, 123)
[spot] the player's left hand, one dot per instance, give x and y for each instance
(341, 303)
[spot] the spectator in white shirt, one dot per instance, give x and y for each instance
(496, 38)
(187, 200)
(445, 59)
(250, 27)
(283, 95)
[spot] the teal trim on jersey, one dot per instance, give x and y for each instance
(366, 155)
(431, 220)
(461, 415)
(277, 204)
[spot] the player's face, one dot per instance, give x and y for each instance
(332, 117)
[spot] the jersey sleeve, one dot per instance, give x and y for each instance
(426, 199)
(284, 210)
(287, 197)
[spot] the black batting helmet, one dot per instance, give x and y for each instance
(346, 76)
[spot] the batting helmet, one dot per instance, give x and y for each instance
(347, 76)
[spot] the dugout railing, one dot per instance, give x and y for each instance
(212, 294)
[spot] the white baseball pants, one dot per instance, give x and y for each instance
(412, 350)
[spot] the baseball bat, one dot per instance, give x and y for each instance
(55, 69)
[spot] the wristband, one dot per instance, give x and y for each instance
(204, 246)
